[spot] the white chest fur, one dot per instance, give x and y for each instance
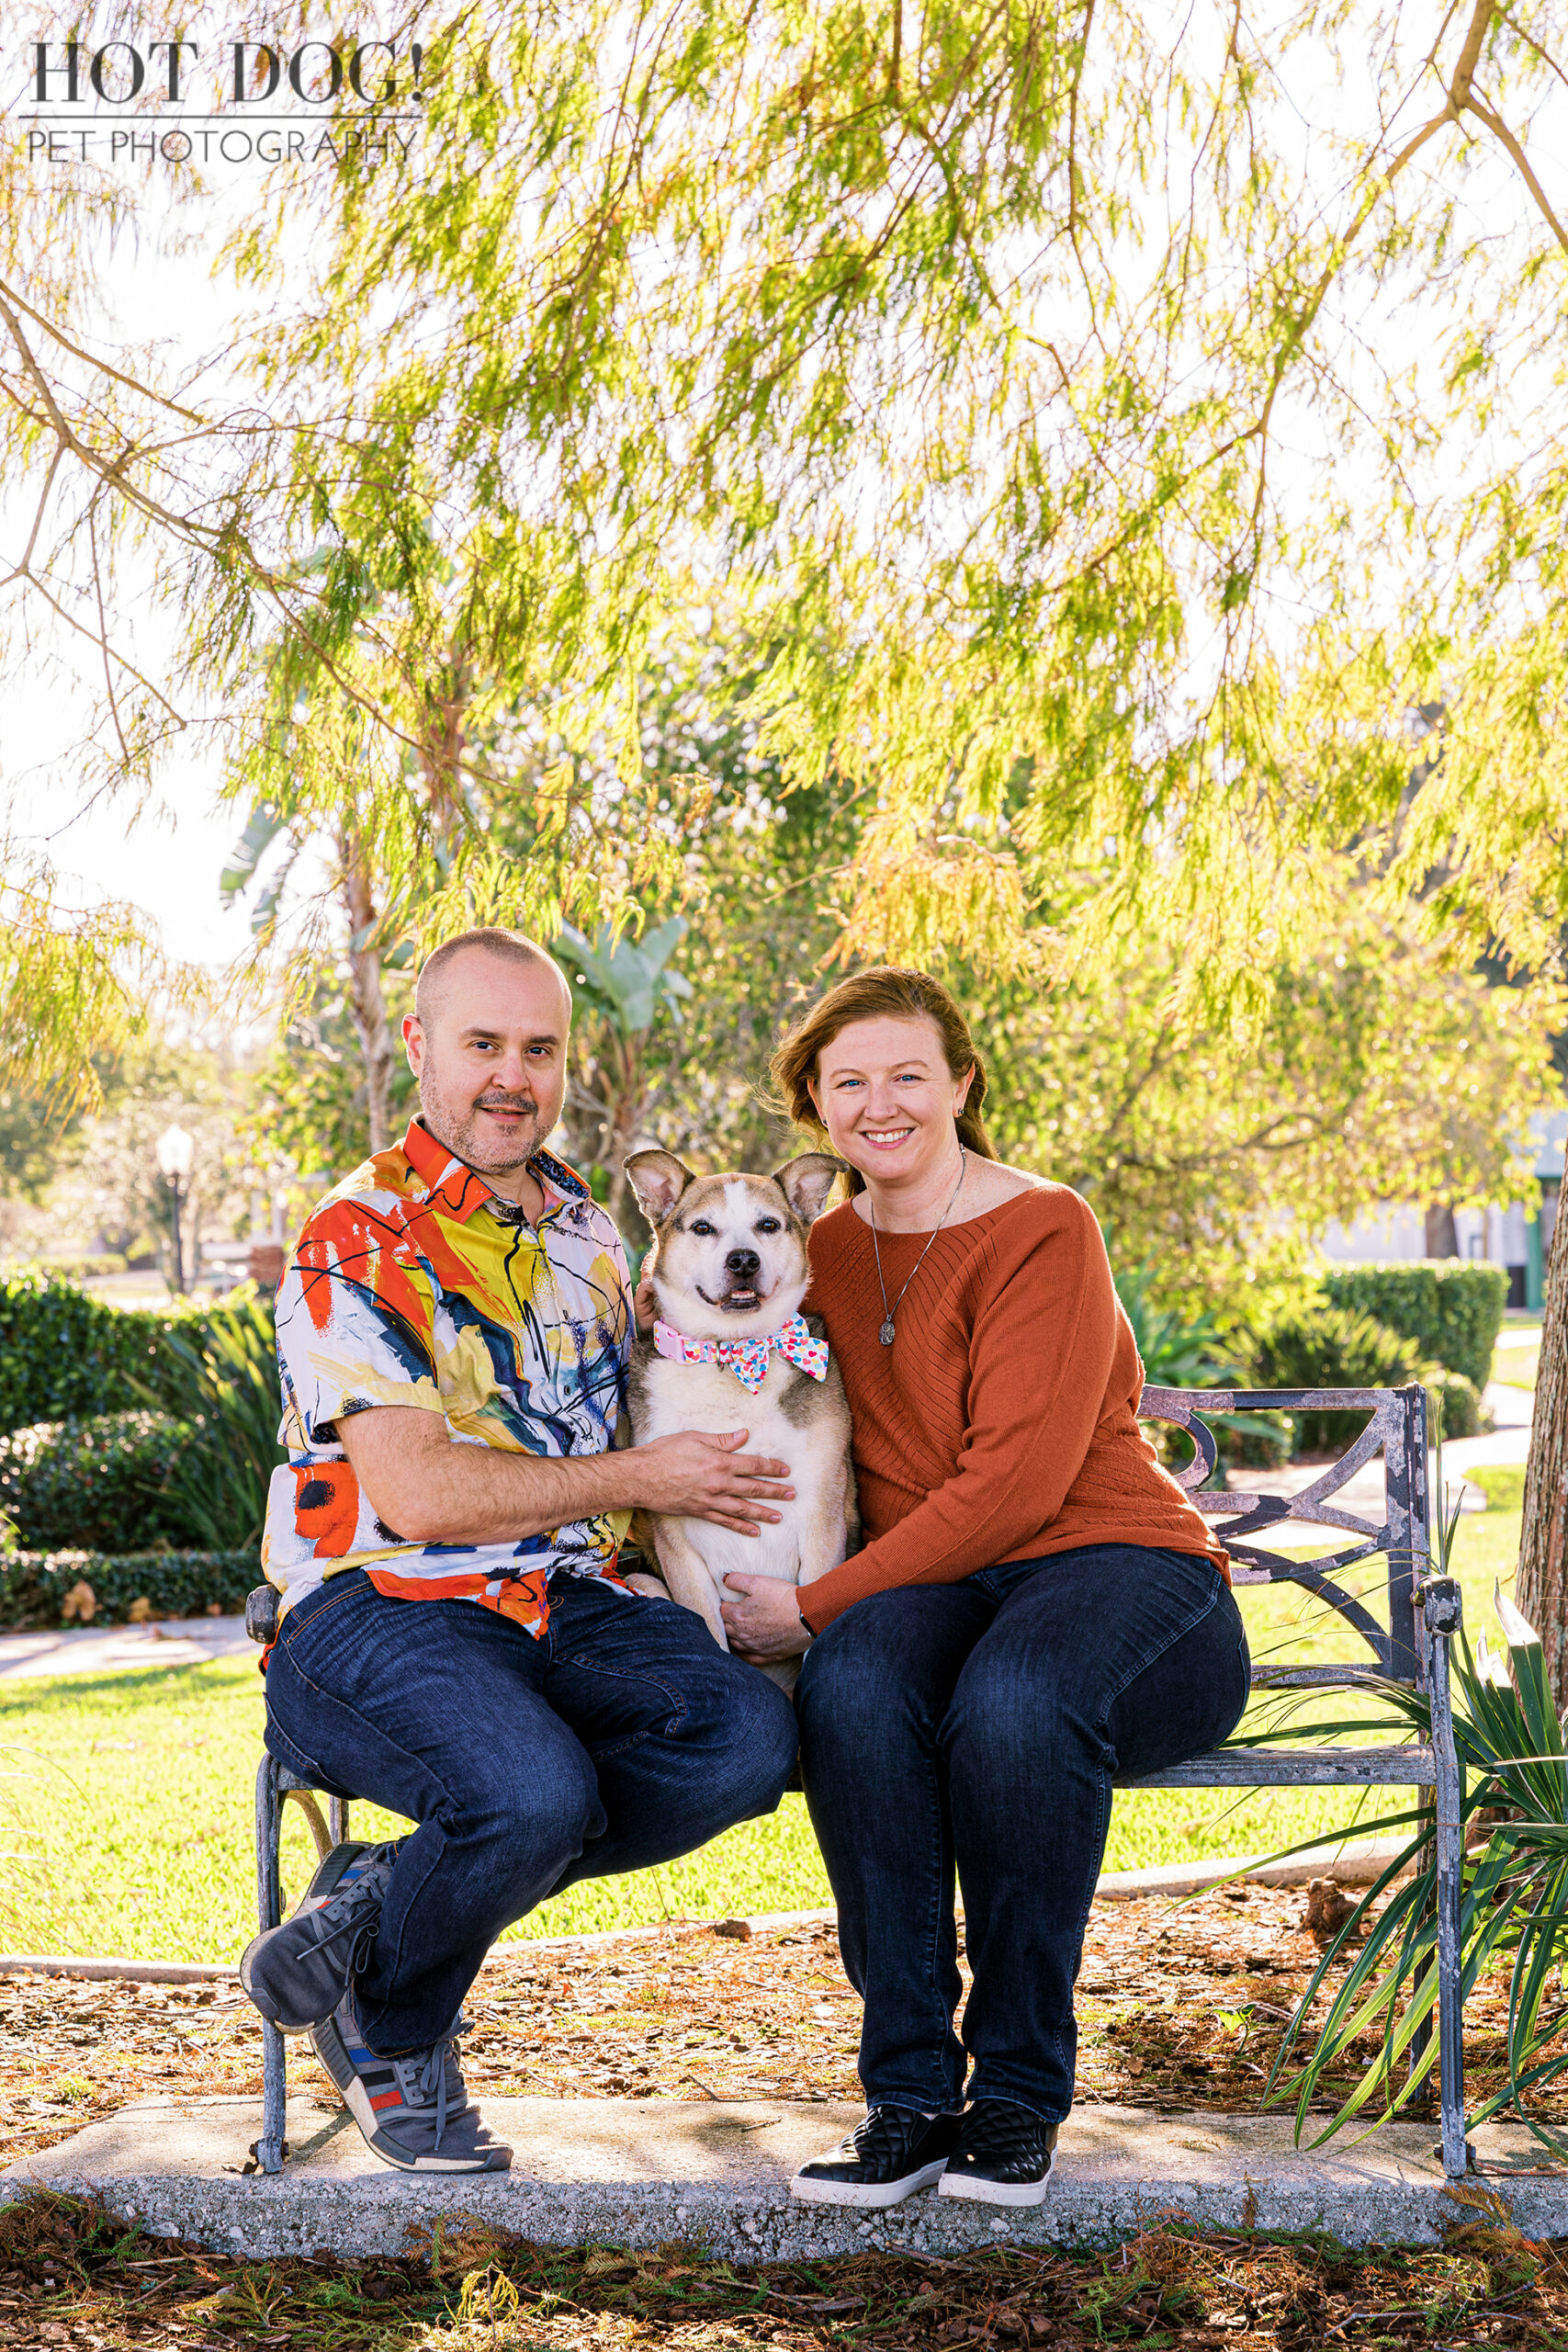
(808, 1538)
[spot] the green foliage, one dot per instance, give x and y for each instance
(177, 1584)
(630, 978)
(1177, 1351)
(64, 1355)
(308, 1101)
(1217, 1156)
(102, 1484)
(1513, 1755)
(1453, 1308)
(1318, 1347)
(227, 1381)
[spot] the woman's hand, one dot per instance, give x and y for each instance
(764, 1625)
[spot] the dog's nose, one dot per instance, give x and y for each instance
(744, 1263)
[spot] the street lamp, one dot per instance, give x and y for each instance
(176, 1152)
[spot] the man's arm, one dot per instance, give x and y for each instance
(432, 1490)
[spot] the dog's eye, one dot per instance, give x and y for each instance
(767, 1224)
(700, 1225)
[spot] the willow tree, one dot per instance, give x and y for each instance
(1128, 436)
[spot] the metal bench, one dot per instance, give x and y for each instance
(1424, 1614)
(275, 1785)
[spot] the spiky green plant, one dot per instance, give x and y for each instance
(228, 1395)
(1512, 1756)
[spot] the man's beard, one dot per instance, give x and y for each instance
(463, 1132)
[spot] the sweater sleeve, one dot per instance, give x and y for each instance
(1039, 1359)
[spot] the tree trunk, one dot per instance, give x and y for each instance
(1541, 1590)
(366, 1003)
(1442, 1239)
(623, 1118)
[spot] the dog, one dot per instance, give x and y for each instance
(731, 1350)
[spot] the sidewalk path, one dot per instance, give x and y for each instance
(123, 1649)
(1507, 1443)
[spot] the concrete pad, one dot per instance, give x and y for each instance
(642, 2172)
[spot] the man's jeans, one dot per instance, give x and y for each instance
(979, 1726)
(620, 1738)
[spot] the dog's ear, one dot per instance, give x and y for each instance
(657, 1179)
(805, 1182)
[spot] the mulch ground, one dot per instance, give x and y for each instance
(71, 2277)
(1180, 2005)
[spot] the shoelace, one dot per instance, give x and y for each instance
(423, 2078)
(365, 1892)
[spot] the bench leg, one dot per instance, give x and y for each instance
(1421, 2039)
(271, 2148)
(1443, 1613)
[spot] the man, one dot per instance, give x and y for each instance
(454, 1643)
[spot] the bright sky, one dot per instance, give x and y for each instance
(167, 856)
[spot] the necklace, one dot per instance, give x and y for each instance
(886, 1333)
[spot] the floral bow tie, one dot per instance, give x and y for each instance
(747, 1359)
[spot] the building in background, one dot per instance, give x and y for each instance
(1517, 1236)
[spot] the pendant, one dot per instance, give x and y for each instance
(885, 1334)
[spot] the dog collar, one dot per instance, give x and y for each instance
(747, 1359)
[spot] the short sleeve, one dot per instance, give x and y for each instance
(356, 1323)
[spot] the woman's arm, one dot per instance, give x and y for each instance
(1041, 1354)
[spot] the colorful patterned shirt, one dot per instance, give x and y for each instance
(414, 1285)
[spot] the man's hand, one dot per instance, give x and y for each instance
(765, 1624)
(645, 1306)
(693, 1476)
(432, 1490)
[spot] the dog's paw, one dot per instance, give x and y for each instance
(649, 1586)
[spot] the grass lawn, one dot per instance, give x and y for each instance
(125, 1811)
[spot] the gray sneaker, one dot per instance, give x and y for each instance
(412, 2110)
(299, 1973)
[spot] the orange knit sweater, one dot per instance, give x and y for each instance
(1002, 1423)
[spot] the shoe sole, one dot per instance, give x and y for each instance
(356, 2098)
(329, 1869)
(872, 2194)
(994, 2193)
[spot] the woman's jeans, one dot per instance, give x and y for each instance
(979, 1726)
(621, 1737)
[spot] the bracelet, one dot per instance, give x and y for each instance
(804, 1626)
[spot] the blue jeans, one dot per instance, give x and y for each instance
(976, 1727)
(620, 1738)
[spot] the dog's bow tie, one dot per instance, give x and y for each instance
(747, 1359)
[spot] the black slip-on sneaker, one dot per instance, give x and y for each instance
(892, 2152)
(299, 1973)
(412, 2110)
(1004, 2155)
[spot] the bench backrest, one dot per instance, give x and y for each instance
(1397, 1430)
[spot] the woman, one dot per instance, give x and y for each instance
(1037, 1607)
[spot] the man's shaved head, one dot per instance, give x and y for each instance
(488, 1044)
(489, 939)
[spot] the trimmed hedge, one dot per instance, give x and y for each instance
(178, 1584)
(1451, 1307)
(1331, 1347)
(64, 1355)
(77, 1486)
